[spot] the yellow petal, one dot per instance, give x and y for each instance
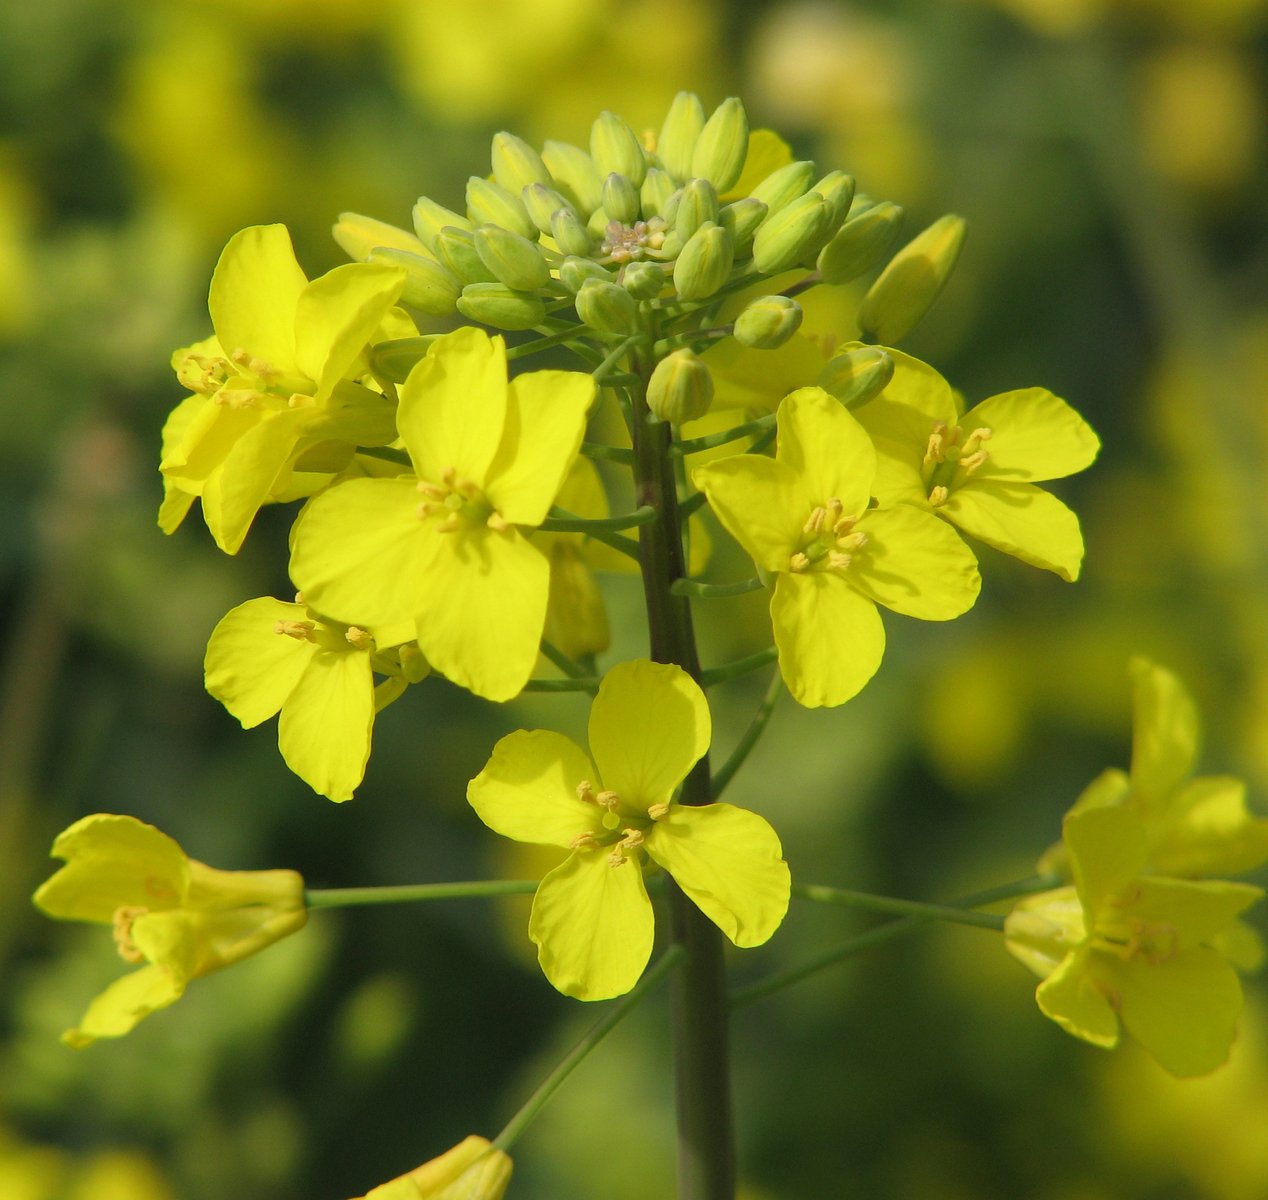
(250, 667)
(1019, 519)
(759, 502)
(125, 1003)
(826, 448)
(1164, 732)
(1071, 997)
(1034, 436)
(254, 293)
(1107, 852)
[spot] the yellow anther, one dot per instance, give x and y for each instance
(299, 400)
(497, 522)
(656, 811)
(616, 858)
(631, 839)
(935, 448)
(975, 439)
(240, 356)
(434, 490)
(815, 521)
(584, 841)
(124, 916)
(835, 507)
(360, 638)
(585, 791)
(448, 475)
(938, 496)
(843, 525)
(299, 598)
(798, 563)
(449, 525)
(301, 631)
(839, 561)
(852, 541)
(425, 510)
(608, 800)
(971, 462)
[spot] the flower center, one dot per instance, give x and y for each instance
(951, 457)
(829, 540)
(124, 916)
(457, 503)
(624, 243)
(621, 828)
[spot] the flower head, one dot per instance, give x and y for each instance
(180, 918)
(806, 517)
(473, 1170)
(592, 918)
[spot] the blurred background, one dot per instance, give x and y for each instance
(1109, 156)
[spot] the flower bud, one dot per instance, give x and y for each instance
(681, 388)
(722, 146)
(430, 218)
(614, 146)
(697, 204)
(704, 263)
(643, 280)
(456, 249)
(472, 1170)
(783, 186)
(910, 283)
(856, 374)
(573, 172)
(516, 164)
(607, 307)
(576, 270)
(541, 203)
(357, 235)
(620, 199)
(860, 243)
(429, 286)
(491, 204)
(678, 135)
(785, 238)
(768, 322)
(570, 233)
(515, 261)
(742, 217)
(656, 190)
(837, 188)
(500, 306)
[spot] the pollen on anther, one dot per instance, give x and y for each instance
(839, 561)
(815, 521)
(937, 441)
(498, 523)
(434, 490)
(656, 811)
(301, 631)
(798, 563)
(938, 496)
(585, 791)
(449, 524)
(360, 638)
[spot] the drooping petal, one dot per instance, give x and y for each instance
(1072, 998)
(208, 433)
(112, 862)
(250, 667)
(649, 725)
(124, 1004)
(1107, 852)
(528, 789)
(593, 925)
(914, 564)
(1185, 913)
(1034, 436)
(826, 448)
(1019, 519)
(1042, 929)
(254, 294)
(729, 861)
(1205, 830)
(759, 502)
(483, 610)
(1164, 732)
(830, 638)
(545, 419)
(324, 730)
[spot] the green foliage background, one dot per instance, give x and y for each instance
(1109, 156)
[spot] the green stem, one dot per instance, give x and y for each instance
(690, 338)
(710, 440)
(756, 727)
(618, 541)
(587, 683)
(714, 591)
(562, 337)
(906, 908)
(741, 666)
(570, 524)
(611, 453)
(608, 1022)
(604, 369)
(692, 504)
(567, 665)
(409, 892)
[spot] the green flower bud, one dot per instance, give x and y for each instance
(574, 173)
(574, 272)
(430, 218)
(500, 306)
(570, 233)
(697, 204)
(656, 190)
(620, 199)
(783, 186)
(456, 249)
(643, 280)
(722, 145)
(837, 188)
(516, 164)
(491, 204)
(742, 218)
(357, 235)
(768, 322)
(607, 307)
(856, 374)
(910, 283)
(681, 388)
(860, 243)
(678, 135)
(669, 209)
(515, 261)
(542, 203)
(784, 239)
(429, 287)
(704, 263)
(614, 146)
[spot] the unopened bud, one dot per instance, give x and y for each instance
(570, 232)
(785, 238)
(516, 164)
(357, 235)
(906, 289)
(430, 218)
(697, 204)
(768, 322)
(456, 249)
(643, 280)
(614, 146)
(620, 199)
(575, 270)
(573, 172)
(607, 307)
(656, 190)
(491, 204)
(783, 186)
(500, 306)
(856, 374)
(541, 203)
(678, 135)
(429, 286)
(722, 146)
(837, 188)
(860, 243)
(704, 263)
(681, 388)
(515, 261)
(742, 218)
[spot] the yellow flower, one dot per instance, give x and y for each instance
(473, 1170)
(180, 918)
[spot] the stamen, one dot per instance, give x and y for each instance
(814, 522)
(449, 525)
(938, 496)
(497, 522)
(360, 638)
(584, 841)
(798, 563)
(617, 858)
(434, 490)
(632, 839)
(585, 791)
(299, 400)
(839, 561)
(608, 799)
(852, 541)
(656, 811)
(301, 631)
(971, 462)
(124, 916)
(935, 448)
(843, 525)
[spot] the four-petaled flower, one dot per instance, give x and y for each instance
(592, 918)
(978, 469)
(474, 1169)
(180, 918)
(445, 547)
(1122, 946)
(805, 517)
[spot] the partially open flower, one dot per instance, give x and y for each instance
(473, 1170)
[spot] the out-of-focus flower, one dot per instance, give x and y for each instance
(473, 1170)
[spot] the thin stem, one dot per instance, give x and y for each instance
(756, 727)
(690, 338)
(906, 908)
(608, 1022)
(567, 665)
(643, 515)
(803, 285)
(714, 591)
(709, 440)
(620, 454)
(692, 504)
(618, 541)
(587, 683)
(562, 337)
(741, 666)
(602, 371)
(409, 892)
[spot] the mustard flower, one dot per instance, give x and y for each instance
(180, 918)
(277, 380)
(806, 519)
(1121, 947)
(472, 1170)
(446, 546)
(978, 469)
(592, 919)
